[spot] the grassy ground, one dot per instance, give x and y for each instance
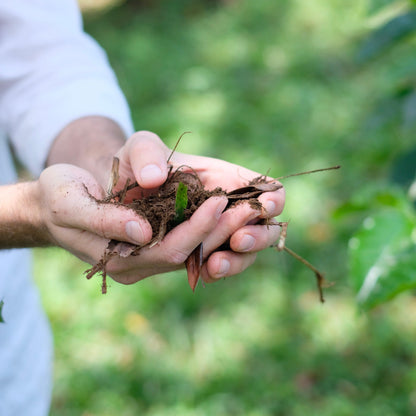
(269, 85)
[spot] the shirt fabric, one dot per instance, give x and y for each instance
(51, 73)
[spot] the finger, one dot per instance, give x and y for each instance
(117, 223)
(147, 156)
(73, 207)
(86, 246)
(172, 251)
(225, 263)
(273, 203)
(230, 221)
(252, 238)
(181, 241)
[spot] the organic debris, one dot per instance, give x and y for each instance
(174, 202)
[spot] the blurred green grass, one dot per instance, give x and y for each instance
(268, 85)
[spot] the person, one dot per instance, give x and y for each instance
(63, 113)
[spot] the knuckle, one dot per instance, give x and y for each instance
(146, 138)
(233, 221)
(175, 256)
(204, 228)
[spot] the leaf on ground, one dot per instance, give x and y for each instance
(383, 256)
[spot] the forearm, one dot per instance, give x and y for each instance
(21, 222)
(90, 143)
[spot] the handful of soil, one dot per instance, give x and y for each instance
(174, 202)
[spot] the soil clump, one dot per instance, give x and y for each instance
(161, 210)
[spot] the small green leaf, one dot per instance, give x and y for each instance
(181, 203)
(383, 256)
(1, 310)
(386, 36)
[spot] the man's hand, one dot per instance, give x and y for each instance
(70, 211)
(91, 143)
(144, 159)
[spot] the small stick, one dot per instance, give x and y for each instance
(104, 283)
(124, 191)
(121, 192)
(320, 280)
(283, 235)
(307, 172)
(176, 145)
(114, 176)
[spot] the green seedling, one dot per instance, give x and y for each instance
(181, 203)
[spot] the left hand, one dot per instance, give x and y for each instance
(144, 158)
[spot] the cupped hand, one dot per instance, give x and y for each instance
(144, 158)
(77, 221)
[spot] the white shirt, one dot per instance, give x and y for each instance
(51, 73)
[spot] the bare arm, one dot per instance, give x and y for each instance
(21, 222)
(61, 207)
(90, 143)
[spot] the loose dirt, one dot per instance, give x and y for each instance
(161, 210)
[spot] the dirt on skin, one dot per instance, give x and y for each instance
(161, 210)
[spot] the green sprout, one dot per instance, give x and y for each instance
(181, 203)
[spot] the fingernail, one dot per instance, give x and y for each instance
(220, 208)
(247, 243)
(270, 207)
(150, 173)
(135, 232)
(224, 268)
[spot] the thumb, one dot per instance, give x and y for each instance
(145, 156)
(70, 200)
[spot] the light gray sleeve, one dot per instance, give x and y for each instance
(51, 73)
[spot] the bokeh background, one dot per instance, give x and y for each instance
(280, 87)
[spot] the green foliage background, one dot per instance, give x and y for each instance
(275, 85)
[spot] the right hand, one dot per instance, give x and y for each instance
(79, 223)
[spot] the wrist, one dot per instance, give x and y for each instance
(21, 220)
(35, 218)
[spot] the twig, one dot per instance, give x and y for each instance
(114, 176)
(176, 145)
(320, 280)
(307, 172)
(283, 235)
(121, 192)
(124, 191)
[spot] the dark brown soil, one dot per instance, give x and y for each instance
(159, 209)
